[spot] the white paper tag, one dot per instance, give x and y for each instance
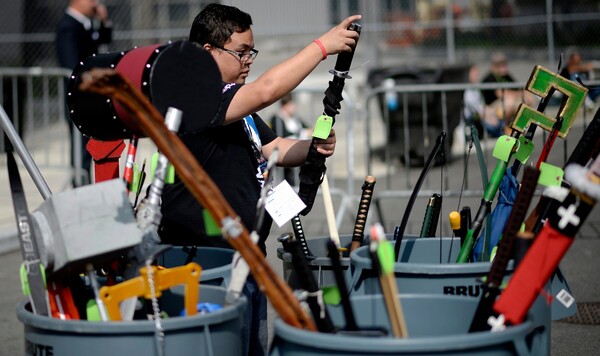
(283, 203)
(565, 298)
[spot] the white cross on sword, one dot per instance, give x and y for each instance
(497, 323)
(567, 216)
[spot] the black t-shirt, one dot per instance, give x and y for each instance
(226, 154)
(489, 96)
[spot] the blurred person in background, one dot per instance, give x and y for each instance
(577, 68)
(81, 30)
(286, 123)
(501, 104)
(473, 109)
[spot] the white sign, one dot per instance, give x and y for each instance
(283, 203)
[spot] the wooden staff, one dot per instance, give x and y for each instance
(330, 213)
(110, 83)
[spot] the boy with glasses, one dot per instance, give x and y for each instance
(234, 150)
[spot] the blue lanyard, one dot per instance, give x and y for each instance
(255, 142)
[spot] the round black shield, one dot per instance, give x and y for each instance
(186, 77)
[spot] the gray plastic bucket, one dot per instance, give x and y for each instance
(215, 262)
(437, 325)
(216, 333)
(424, 274)
(420, 271)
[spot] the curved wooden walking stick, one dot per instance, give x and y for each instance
(112, 84)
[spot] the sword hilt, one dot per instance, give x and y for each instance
(363, 211)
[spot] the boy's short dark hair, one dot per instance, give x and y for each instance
(216, 23)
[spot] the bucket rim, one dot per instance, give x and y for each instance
(171, 324)
(455, 342)
(360, 262)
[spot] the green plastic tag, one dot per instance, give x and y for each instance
(153, 164)
(550, 175)
(331, 295)
(169, 176)
(385, 252)
(135, 179)
(323, 127)
(25, 281)
(92, 311)
(210, 225)
(525, 148)
(504, 147)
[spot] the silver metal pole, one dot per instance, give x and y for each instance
(77, 170)
(550, 33)
(451, 47)
(350, 138)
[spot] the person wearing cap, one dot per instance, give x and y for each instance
(501, 104)
(577, 68)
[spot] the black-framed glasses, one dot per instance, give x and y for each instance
(243, 57)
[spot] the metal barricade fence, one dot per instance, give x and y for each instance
(34, 99)
(35, 114)
(392, 156)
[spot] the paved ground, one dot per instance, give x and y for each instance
(579, 265)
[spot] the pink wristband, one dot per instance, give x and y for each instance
(323, 50)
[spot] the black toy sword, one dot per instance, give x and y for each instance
(313, 170)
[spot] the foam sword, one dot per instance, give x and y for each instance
(587, 148)
(506, 247)
(550, 245)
